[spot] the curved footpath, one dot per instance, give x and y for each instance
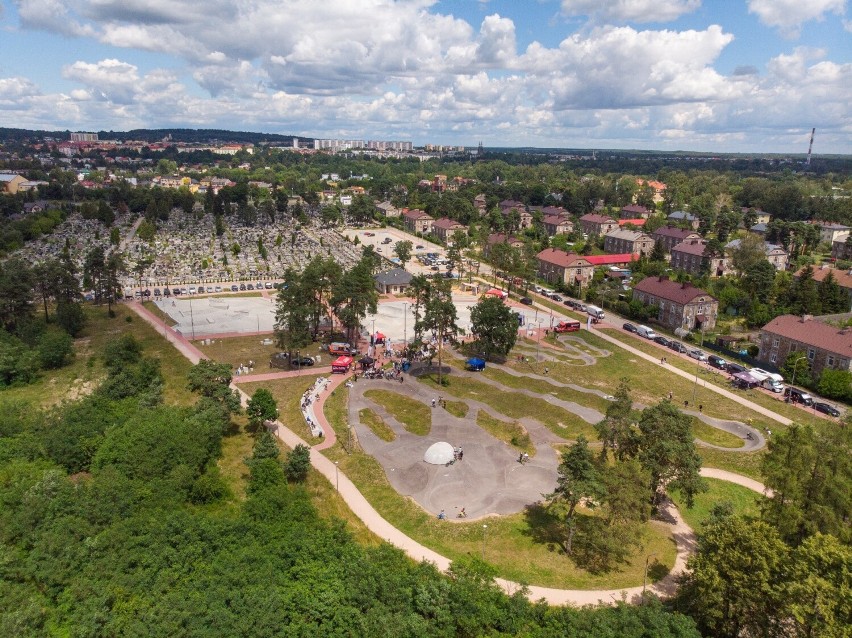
(684, 536)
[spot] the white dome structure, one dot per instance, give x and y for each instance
(439, 453)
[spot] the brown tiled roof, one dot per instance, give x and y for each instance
(561, 258)
(634, 208)
(671, 231)
(555, 220)
(664, 288)
(691, 247)
(447, 223)
(416, 214)
(597, 219)
(499, 238)
(842, 277)
(812, 332)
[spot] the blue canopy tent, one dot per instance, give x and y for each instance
(475, 364)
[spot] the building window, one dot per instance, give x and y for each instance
(811, 354)
(773, 358)
(775, 342)
(830, 361)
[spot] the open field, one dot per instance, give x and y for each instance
(512, 433)
(743, 500)
(414, 415)
(376, 424)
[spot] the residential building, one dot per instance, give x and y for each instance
(628, 241)
(36, 207)
(659, 188)
(671, 236)
(638, 222)
(84, 137)
(393, 282)
(444, 228)
(479, 203)
(11, 182)
(593, 224)
(417, 221)
(842, 277)
(556, 266)
(759, 228)
(387, 209)
(501, 238)
(557, 225)
(841, 249)
(635, 211)
(681, 305)
(692, 256)
(684, 218)
(775, 254)
(830, 233)
(760, 216)
(510, 206)
(824, 345)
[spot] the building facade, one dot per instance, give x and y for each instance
(556, 266)
(593, 224)
(681, 305)
(692, 256)
(824, 345)
(444, 228)
(628, 241)
(671, 236)
(417, 221)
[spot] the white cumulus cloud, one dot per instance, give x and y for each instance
(789, 15)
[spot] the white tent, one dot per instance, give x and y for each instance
(439, 453)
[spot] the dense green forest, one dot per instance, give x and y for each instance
(110, 527)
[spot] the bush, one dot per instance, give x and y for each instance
(298, 463)
(835, 384)
(55, 349)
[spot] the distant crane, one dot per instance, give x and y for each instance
(810, 147)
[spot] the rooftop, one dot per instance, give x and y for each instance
(561, 258)
(664, 288)
(812, 332)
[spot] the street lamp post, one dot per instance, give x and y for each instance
(191, 319)
(337, 475)
(484, 529)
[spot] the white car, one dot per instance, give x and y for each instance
(695, 353)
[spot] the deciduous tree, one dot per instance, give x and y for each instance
(495, 327)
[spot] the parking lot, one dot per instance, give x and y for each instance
(384, 239)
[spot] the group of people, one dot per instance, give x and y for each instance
(308, 398)
(245, 369)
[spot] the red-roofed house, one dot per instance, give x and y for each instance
(417, 221)
(680, 305)
(635, 211)
(501, 238)
(824, 345)
(842, 277)
(556, 265)
(670, 236)
(659, 188)
(556, 225)
(444, 228)
(636, 221)
(622, 260)
(593, 224)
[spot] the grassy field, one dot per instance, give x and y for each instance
(743, 500)
(376, 424)
(288, 394)
(710, 375)
(511, 542)
(715, 436)
(85, 372)
(511, 433)
(458, 409)
(240, 350)
(745, 463)
(415, 416)
(515, 405)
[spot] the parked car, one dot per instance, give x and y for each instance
(301, 361)
(798, 396)
(418, 247)
(717, 362)
(826, 408)
(167, 292)
(156, 292)
(734, 368)
(695, 353)
(677, 346)
(645, 331)
(218, 288)
(526, 301)
(663, 341)
(234, 288)
(556, 297)
(370, 234)
(629, 327)
(569, 303)
(242, 286)
(268, 285)
(249, 286)
(176, 291)
(387, 240)
(192, 290)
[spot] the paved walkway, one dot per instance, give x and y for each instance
(378, 525)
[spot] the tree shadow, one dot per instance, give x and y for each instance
(543, 527)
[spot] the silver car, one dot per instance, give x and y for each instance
(695, 353)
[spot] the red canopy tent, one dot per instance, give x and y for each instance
(341, 364)
(496, 292)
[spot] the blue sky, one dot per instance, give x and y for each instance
(706, 75)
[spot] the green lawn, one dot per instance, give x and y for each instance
(288, 394)
(745, 463)
(415, 417)
(715, 436)
(512, 433)
(515, 405)
(458, 409)
(240, 350)
(744, 501)
(376, 424)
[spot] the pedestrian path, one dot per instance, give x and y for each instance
(683, 535)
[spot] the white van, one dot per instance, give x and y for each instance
(774, 382)
(645, 331)
(596, 312)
